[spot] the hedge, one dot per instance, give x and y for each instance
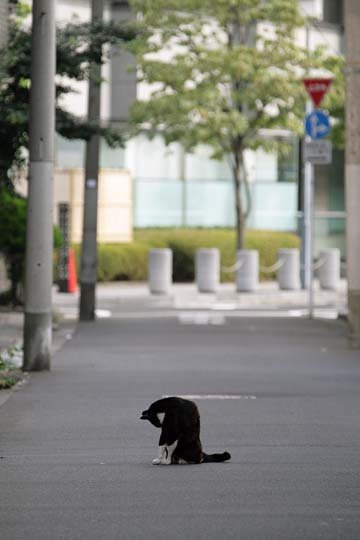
(129, 261)
(126, 262)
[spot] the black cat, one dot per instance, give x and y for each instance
(179, 442)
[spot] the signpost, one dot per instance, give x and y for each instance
(63, 264)
(316, 151)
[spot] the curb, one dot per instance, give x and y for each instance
(5, 394)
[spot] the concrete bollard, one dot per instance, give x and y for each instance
(247, 274)
(160, 270)
(207, 269)
(329, 271)
(288, 275)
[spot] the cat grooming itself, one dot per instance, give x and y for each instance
(179, 442)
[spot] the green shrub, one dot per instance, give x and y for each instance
(126, 262)
(185, 242)
(129, 261)
(12, 239)
(13, 210)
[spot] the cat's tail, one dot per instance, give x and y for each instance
(215, 458)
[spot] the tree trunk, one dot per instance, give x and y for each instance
(239, 207)
(16, 270)
(4, 179)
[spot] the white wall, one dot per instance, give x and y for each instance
(313, 8)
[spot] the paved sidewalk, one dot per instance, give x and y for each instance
(11, 330)
(133, 299)
(124, 300)
(281, 395)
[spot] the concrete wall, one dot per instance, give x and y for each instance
(123, 76)
(114, 206)
(115, 203)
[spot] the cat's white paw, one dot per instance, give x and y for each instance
(158, 461)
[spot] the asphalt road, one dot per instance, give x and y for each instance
(76, 460)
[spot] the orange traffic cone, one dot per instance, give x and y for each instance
(72, 278)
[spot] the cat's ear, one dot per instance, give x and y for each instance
(144, 415)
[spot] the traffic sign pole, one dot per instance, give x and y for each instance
(316, 128)
(308, 224)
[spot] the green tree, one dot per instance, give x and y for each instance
(334, 101)
(13, 238)
(221, 71)
(77, 46)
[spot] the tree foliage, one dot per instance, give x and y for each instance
(12, 237)
(334, 101)
(220, 73)
(13, 208)
(78, 44)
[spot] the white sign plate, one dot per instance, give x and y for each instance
(318, 152)
(91, 183)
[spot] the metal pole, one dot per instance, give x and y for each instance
(39, 230)
(307, 274)
(352, 165)
(301, 217)
(182, 178)
(308, 224)
(89, 240)
(304, 279)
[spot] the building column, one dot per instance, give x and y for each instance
(352, 165)
(122, 82)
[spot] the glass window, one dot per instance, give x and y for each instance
(200, 166)
(155, 160)
(266, 166)
(333, 11)
(288, 161)
(70, 154)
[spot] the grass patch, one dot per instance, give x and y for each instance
(9, 373)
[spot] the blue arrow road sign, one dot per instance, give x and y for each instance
(317, 124)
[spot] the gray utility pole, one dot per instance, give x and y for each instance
(89, 241)
(352, 167)
(39, 230)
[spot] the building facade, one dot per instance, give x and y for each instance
(173, 188)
